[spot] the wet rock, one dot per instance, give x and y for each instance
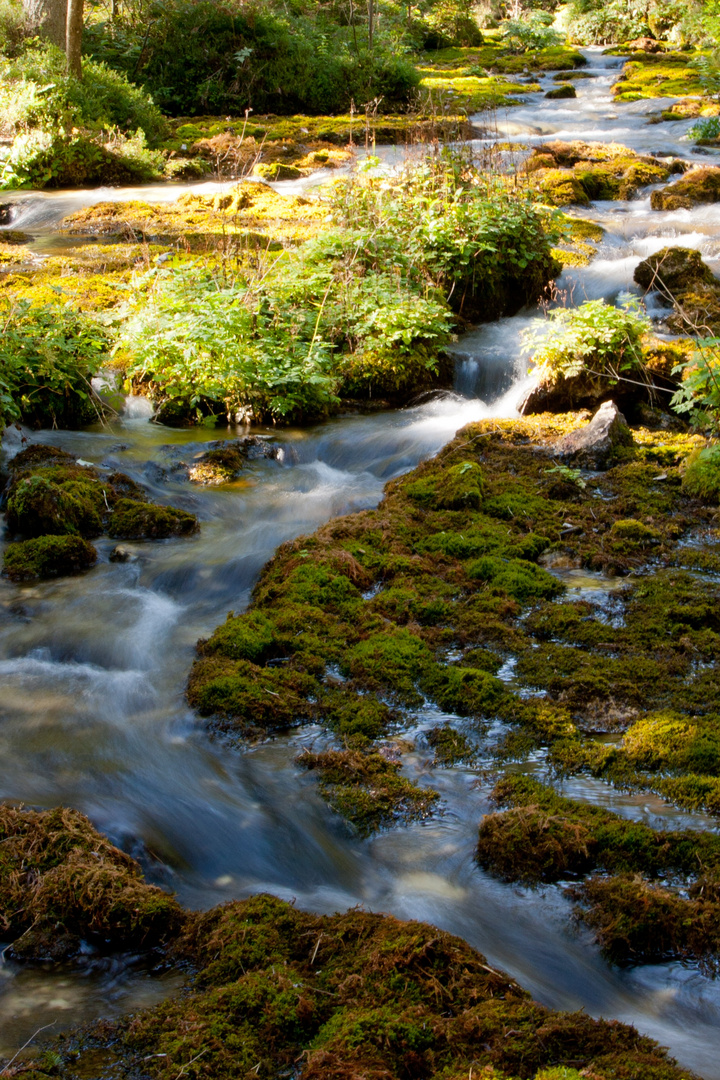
(226, 459)
(645, 44)
(577, 172)
(675, 269)
(132, 520)
(595, 445)
(48, 557)
(565, 90)
(681, 277)
(122, 554)
(701, 185)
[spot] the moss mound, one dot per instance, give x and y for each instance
(578, 172)
(132, 520)
(48, 556)
(565, 90)
(700, 185)
(702, 474)
(62, 883)
(358, 994)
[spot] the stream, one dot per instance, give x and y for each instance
(93, 668)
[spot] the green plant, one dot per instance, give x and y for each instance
(699, 389)
(532, 32)
(708, 127)
(48, 356)
(596, 338)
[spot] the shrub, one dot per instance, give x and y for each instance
(447, 23)
(533, 32)
(48, 356)
(708, 127)
(37, 92)
(596, 337)
(203, 57)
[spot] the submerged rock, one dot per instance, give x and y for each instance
(597, 444)
(225, 460)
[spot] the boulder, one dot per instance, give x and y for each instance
(645, 44)
(595, 445)
(701, 185)
(565, 90)
(674, 270)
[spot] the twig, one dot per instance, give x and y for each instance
(189, 1063)
(44, 1028)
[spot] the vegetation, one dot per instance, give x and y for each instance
(58, 504)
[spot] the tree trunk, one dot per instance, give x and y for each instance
(48, 19)
(73, 41)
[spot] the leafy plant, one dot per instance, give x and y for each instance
(595, 338)
(699, 389)
(706, 128)
(48, 355)
(532, 32)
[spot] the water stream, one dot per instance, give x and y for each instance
(93, 668)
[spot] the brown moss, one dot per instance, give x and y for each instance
(61, 882)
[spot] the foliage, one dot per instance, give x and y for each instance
(203, 57)
(532, 32)
(37, 93)
(446, 23)
(47, 357)
(12, 26)
(595, 337)
(708, 127)
(699, 389)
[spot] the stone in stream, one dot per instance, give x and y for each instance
(682, 278)
(595, 445)
(562, 91)
(577, 172)
(699, 185)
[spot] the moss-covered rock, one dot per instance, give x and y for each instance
(277, 171)
(701, 475)
(48, 556)
(62, 883)
(131, 520)
(355, 994)
(675, 269)
(564, 90)
(698, 186)
(578, 172)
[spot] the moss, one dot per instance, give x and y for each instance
(48, 556)
(675, 269)
(58, 501)
(698, 186)
(61, 882)
(637, 922)
(131, 520)
(701, 476)
(451, 746)
(367, 789)
(545, 837)
(564, 90)
(649, 75)
(277, 171)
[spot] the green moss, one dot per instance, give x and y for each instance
(564, 90)
(48, 556)
(396, 661)
(698, 186)
(56, 501)
(367, 789)
(131, 520)
(277, 171)
(451, 746)
(701, 476)
(651, 75)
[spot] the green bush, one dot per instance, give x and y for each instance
(37, 92)
(447, 23)
(48, 355)
(706, 128)
(596, 337)
(198, 57)
(532, 32)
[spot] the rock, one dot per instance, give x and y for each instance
(701, 185)
(122, 554)
(645, 44)
(675, 270)
(565, 90)
(595, 445)
(276, 171)
(48, 557)
(226, 459)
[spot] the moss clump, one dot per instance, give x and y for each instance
(277, 171)
(131, 520)
(48, 556)
(564, 90)
(62, 883)
(545, 837)
(357, 992)
(701, 476)
(367, 789)
(56, 501)
(577, 172)
(451, 746)
(698, 186)
(666, 74)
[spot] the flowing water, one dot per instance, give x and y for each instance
(93, 668)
